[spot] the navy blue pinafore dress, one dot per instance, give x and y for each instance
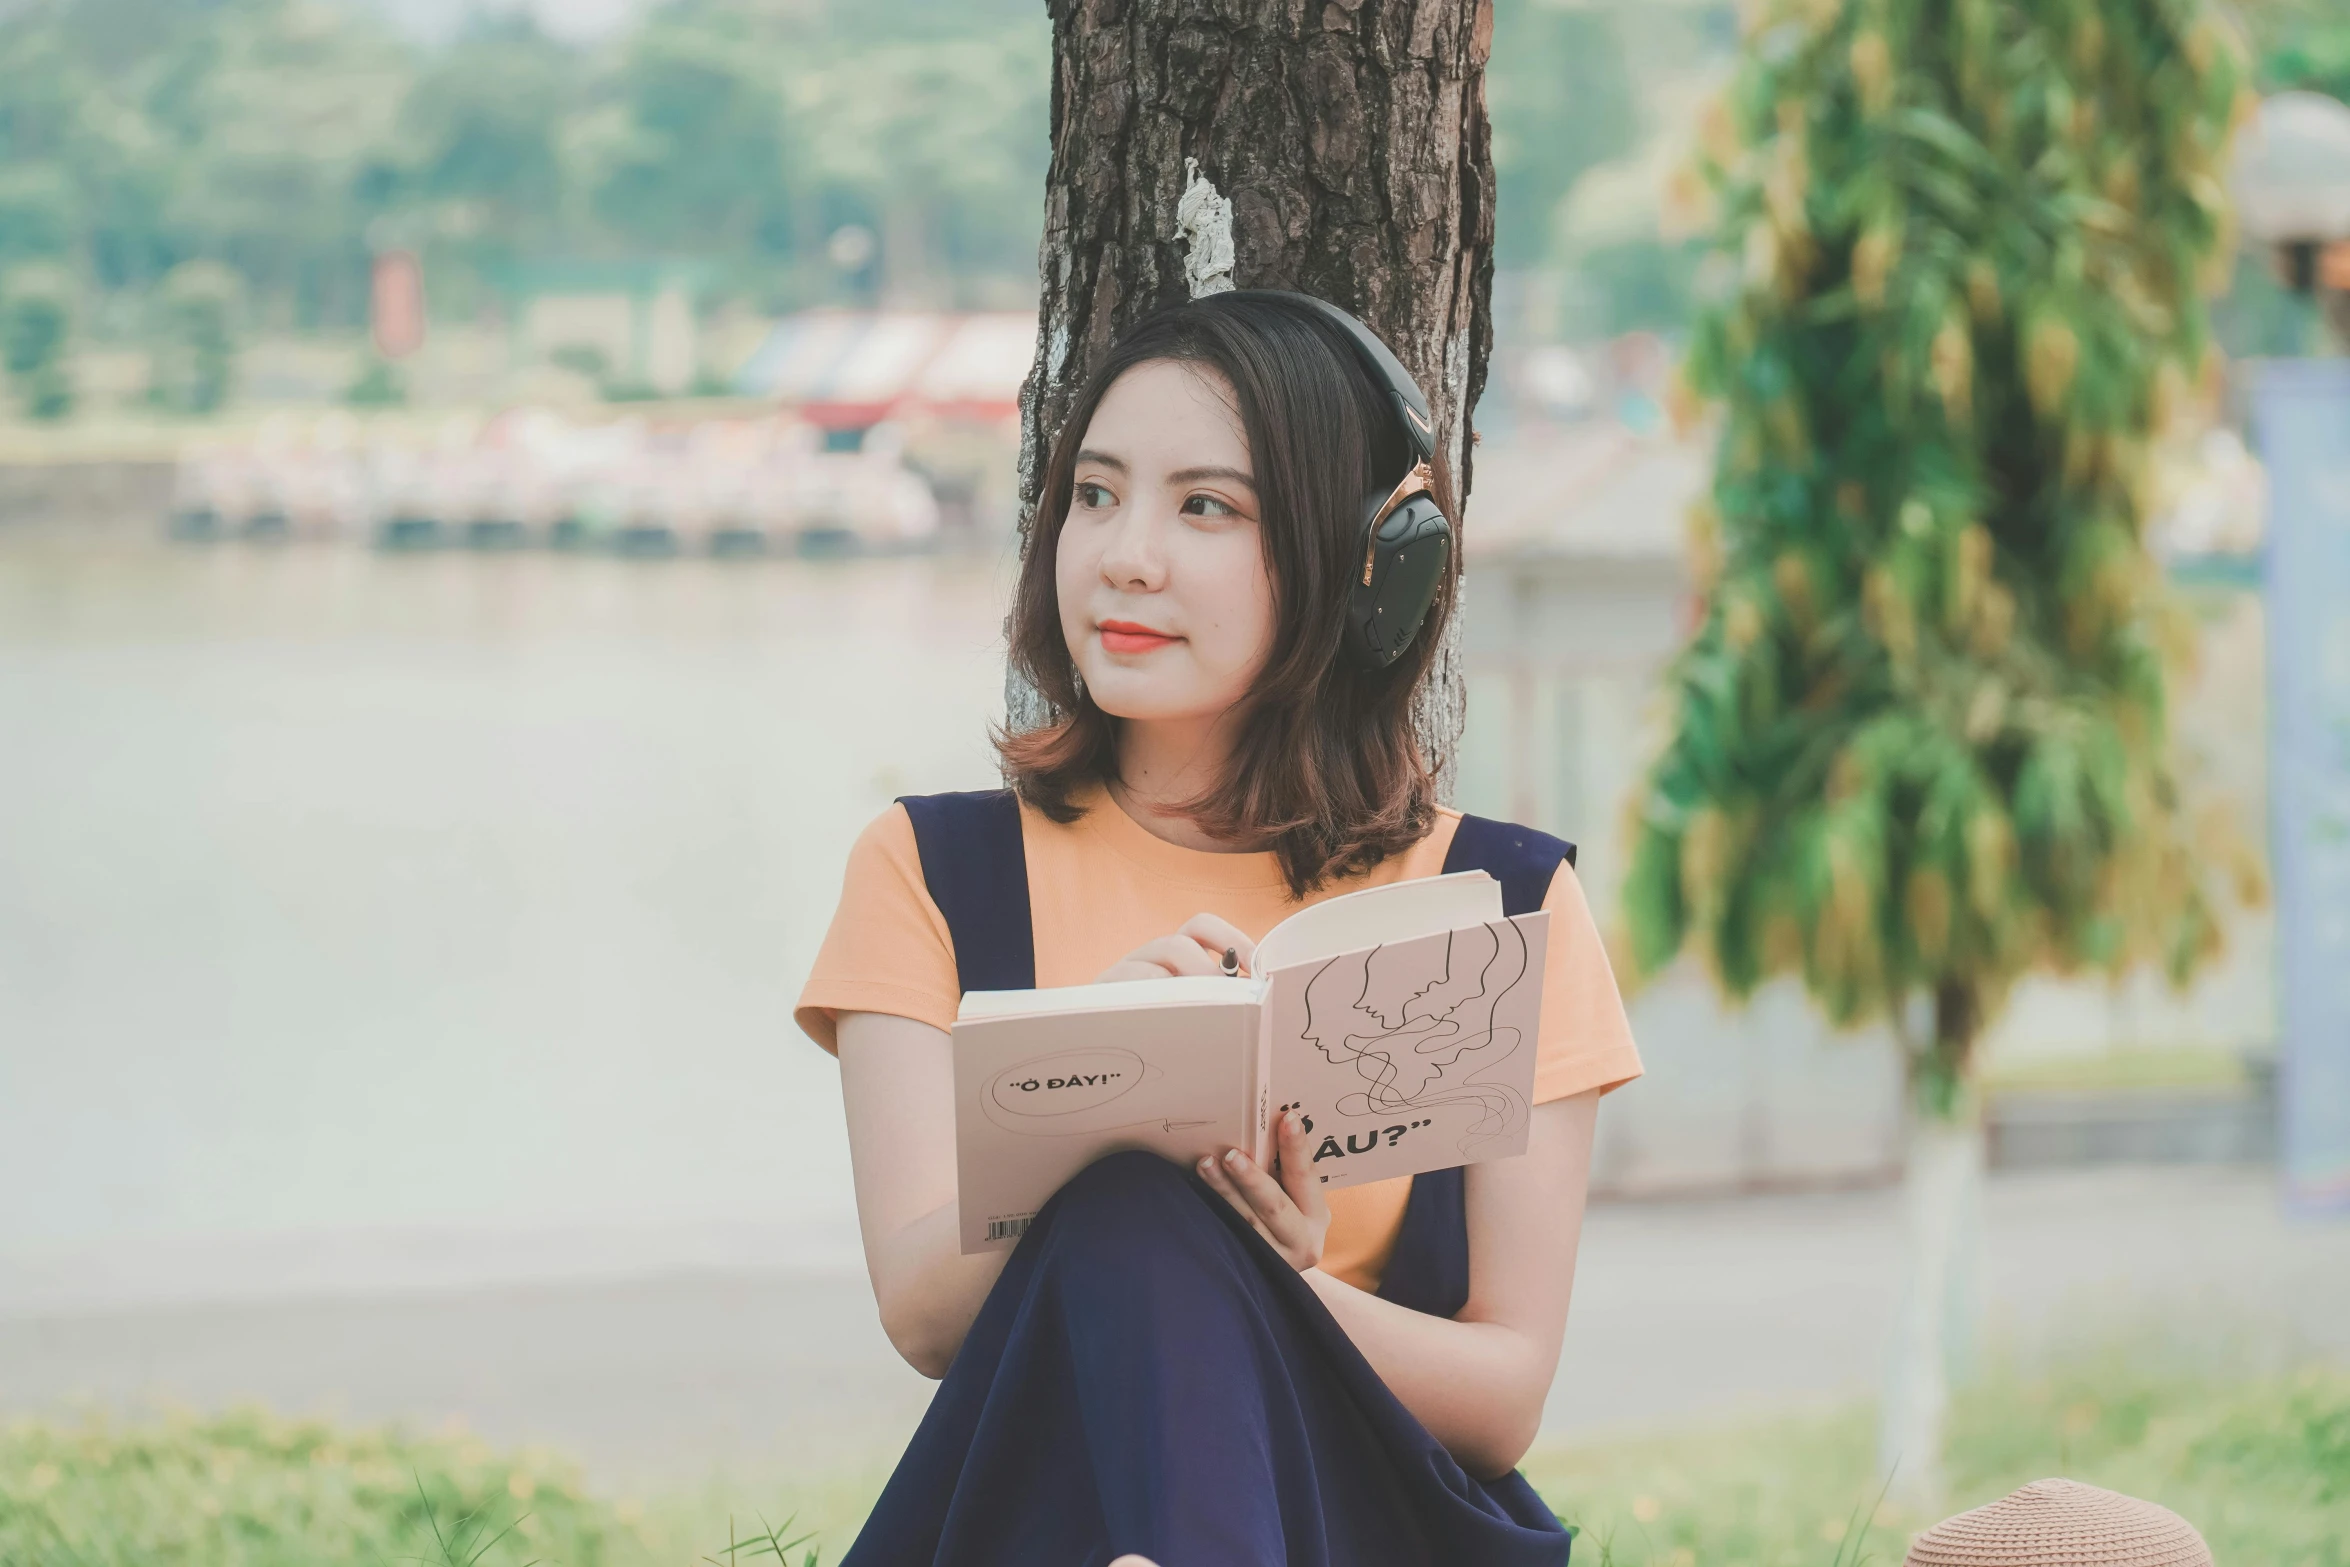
(1148, 1375)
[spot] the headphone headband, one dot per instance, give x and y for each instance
(1411, 404)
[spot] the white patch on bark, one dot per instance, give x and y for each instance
(1943, 1190)
(1203, 223)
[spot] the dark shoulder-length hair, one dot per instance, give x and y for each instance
(1327, 772)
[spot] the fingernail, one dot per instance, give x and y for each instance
(1235, 1158)
(1207, 1164)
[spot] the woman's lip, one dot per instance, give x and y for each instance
(1124, 636)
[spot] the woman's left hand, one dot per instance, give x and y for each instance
(1290, 1212)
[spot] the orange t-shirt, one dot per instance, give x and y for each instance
(1101, 886)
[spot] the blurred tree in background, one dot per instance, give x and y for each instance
(194, 333)
(479, 141)
(36, 323)
(933, 130)
(285, 140)
(275, 110)
(2306, 45)
(1918, 743)
(699, 143)
(1579, 87)
(39, 212)
(799, 152)
(1559, 88)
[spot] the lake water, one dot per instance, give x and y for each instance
(377, 921)
(452, 903)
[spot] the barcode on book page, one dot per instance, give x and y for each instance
(1008, 1229)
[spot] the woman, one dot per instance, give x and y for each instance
(1222, 1366)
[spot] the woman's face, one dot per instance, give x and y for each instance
(1164, 596)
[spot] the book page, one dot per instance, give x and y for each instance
(1414, 1055)
(1119, 996)
(1356, 920)
(1040, 1097)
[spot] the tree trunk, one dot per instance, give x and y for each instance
(1349, 138)
(1943, 1198)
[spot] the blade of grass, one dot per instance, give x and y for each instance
(1874, 1508)
(773, 1543)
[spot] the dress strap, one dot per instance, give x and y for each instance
(1429, 1268)
(1520, 858)
(976, 866)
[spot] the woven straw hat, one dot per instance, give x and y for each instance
(2062, 1523)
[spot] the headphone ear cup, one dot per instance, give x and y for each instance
(1402, 564)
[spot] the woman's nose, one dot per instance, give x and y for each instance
(1131, 557)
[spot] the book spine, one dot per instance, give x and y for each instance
(1261, 1082)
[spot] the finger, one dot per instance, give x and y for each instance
(1297, 1165)
(1211, 1170)
(1167, 957)
(1274, 1211)
(1220, 935)
(1220, 1181)
(1177, 956)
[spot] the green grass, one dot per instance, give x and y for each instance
(2260, 1462)
(249, 1490)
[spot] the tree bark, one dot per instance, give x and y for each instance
(1349, 137)
(1943, 1188)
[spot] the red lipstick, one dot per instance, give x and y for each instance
(1124, 636)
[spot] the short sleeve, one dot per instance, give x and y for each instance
(888, 949)
(1586, 1038)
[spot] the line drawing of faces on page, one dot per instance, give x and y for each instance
(1418, 1038)
(1072, 1093)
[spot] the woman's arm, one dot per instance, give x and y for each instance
(898, 1079)
(1477, 1381)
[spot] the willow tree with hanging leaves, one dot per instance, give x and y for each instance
(1917, 744)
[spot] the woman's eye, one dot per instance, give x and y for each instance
(1207, 506)
(1093, 497)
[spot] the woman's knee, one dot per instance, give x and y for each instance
(1136, 1259)
(1120, 1182)
(1130, 1207)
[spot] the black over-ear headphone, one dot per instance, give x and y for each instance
(1406, 540)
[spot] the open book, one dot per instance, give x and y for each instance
(1400, 1019)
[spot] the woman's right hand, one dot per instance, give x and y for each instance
(1198, 948)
